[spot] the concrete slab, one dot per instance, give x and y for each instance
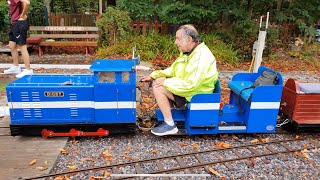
(17, 152)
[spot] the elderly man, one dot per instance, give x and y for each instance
(193, 72)
(18, 37)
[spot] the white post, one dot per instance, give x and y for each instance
(261, 44)
(100, 6)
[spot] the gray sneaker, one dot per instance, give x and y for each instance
(164, 129)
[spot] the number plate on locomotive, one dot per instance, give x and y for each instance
(54, 94)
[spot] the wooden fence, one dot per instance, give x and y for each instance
(144, 27)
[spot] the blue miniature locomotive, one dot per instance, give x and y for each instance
(41, 103)
(105, 102)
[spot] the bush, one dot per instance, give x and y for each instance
(114, 25)
(158, 46)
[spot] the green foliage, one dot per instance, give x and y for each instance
(139, 9)
(3, 87)
(114, 25)
(155, 46)
(74, 6)
(222, 51)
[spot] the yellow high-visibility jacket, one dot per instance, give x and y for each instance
(190, 74)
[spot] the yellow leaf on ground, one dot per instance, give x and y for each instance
(214, 172)
(223, 145)
(297, 137)
(306, 146)
(107, 155)
(254, 141)
(264, 140)
(60, 178)
(195, 145)
(41, 168)
(296, 153)
(153, 151)
(33, 162)
(107, 174)
(46, 162)
(127, 149)
(72, 168)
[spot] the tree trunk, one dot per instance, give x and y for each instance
(249, 8)
(279, 4)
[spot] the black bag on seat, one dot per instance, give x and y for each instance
(266, 78)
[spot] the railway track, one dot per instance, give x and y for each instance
(200, 160)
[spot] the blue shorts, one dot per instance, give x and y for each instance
(19, 32)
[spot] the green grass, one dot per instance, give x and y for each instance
(3, 87)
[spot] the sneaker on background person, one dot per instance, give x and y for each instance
(13, 70)
(25, 72)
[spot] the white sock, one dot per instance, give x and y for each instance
(169, 122)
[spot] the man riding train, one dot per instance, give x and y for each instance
(193, 72)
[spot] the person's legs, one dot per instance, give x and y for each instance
(15, 69)
(162, 96)
(168, 127)
(20, 33)
(25, 56)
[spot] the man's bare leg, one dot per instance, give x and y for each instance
(162, 96)
(25, 56)
(14, 53)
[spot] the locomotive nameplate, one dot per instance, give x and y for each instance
(54, 94)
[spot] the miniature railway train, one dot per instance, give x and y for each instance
(104, 103)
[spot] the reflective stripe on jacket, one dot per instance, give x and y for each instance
(190, 74)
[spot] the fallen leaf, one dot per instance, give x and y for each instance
(153, 151)
(86, 159)
(315, 150)
(296, 153)
(126, 156)
(234, 137)
(72, 168)
(264, 140)
(195, 145)
(127, 149)
(222, 145)
(297, 137)
(33, 162)
(41, 168)
(306, 146)
(107, 155)
(46, 162)
(215, 172)
(254, 141)
(107, 174)
(60, 178)
(183, 144)
(64, 151)
(224, 136)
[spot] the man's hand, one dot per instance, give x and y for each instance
(23, 17)
(159, 82)
(146, 79)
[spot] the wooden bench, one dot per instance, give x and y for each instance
(63, 36)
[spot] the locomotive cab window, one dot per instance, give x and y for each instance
(125, 76)
(106, 77)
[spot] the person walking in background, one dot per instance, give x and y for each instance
(18, 37)
(193, 72)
